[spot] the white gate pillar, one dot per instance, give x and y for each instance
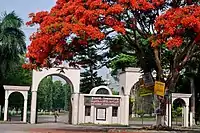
(25, 110)
(186, 115)
(183, 116)
(168, 115)
(6, 110)
(75, 108)
(191, 119)
(6, 105)
(126, 110)
(33, 107)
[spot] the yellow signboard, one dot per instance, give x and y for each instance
(159, 88)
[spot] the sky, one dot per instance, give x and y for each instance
(23, 7)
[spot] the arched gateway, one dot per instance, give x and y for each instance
(186, 99)
(71, 75)
(11, 89)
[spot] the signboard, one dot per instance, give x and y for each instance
(102, 101)
(101, 114)
(148, 79)
(145, 91)
(159, 88)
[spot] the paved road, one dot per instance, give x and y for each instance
(47, 123)
(66, 128)
(63, 118)
(53, 127)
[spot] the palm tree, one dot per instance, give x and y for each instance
(12, 41)
(12, 45)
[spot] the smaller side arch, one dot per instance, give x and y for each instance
(184, 97)
(21, 92)
(11, 89)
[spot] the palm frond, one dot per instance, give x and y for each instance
(11, 20)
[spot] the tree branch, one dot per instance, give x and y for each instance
(158, 63)
(187, 56)
(179, 54)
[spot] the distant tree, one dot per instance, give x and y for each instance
(91, 61)
(45, 98)
(114, 92)
(18, 75)
(53, 95)
(59, 95)
(123, 61)
(68, 93)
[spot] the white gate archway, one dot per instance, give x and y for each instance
(186, 99)
(11, 89)
(71, 75)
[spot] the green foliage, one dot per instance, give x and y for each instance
(115, 92)
(53, 95)
(140, 112)
(176, 112)
(123, 61)
(89, 81)
(16, 100)
(91, 61)
(12, 40)
(140, 54)
(18, 75)
(59, 95)
(12, 45)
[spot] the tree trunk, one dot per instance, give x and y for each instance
(170, 87)
(159, 77)
(192, 88)
(91, 74)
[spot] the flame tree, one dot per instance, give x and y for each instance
(167, 25)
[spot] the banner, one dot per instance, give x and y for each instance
(103, 101)
(145, 92)
(159, 88)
